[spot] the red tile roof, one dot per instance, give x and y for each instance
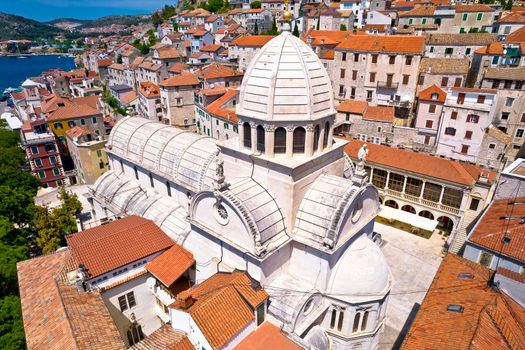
(388, 43)
(513, 17)
(252, 40)
(489, 320)
(78, 131)
(267, 336)
(222, 306)
(426, 94)
(165, 338)
(73, 111)
(379, 113)
(517, 36)
(107, 247)
(352, 106)
(420, 163)
(170, 265)
(185, 79)
(215, 70)
(474, 8)
(211, 48)
(57, 316)
(419, 11)
(149, 89)
(327, 37)
(216, 107)
(491, 228)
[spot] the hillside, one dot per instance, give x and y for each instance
(126, 20)
(17, 27)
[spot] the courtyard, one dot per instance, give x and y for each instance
(413, 261)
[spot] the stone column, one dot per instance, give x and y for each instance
(441, 195)
(289, 141)
(240, 130)
(422, 189)
(404, 183)
(330, 137)
(269, 139)
(387, 178)
(309, 141)
(254, 136)
(321, 140)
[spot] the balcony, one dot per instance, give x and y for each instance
(387, 84)
(422, 201)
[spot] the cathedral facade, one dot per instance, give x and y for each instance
(281, 202)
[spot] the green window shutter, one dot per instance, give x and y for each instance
(467, 51)
(410, 21)
(480, 16)
(465, 16)
(41, 174)
(495, 60)
(56, 171)
(424, 21)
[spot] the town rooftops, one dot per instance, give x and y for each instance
(211, 48)
(325, 37)
(493, 226)
(149, 89)
(217, 109)
(433, 93)
(376, 43)
(474, 8)
(461, 311)
(105, 248)
(463, 39)
(513, 17)
(217, 71)
(502, 73)
(165, 338)
(58, 316)
(419, 11)
(222, 305)
(170, 265)
(120, 88)
(473, 90)
(72, 111)
(252, 40)
(104, 63)
(517, 36)
(185, 79)
(420, 163)
(444, 65)
(267, 336)
(79, 131)
(352, 106)
(167, 53)
(379, 113)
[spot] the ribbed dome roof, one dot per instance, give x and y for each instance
(286, 81)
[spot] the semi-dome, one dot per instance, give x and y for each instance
(286, 81)
(361, 273)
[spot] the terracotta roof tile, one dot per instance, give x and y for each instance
(477, 39)
(267, 336)
(168, 52)
(379, 113)
(187, 79)
(444, 65)
(211, 48)
(513, 17)
(517, 36)
(420, 163)
(352, 106)
(473, 8)
(78, 131)
(170, 265)
(129, 97)
(328, 55)
(73, 111)
(178, 68)
(376, 43)
(427, 94)
(516, 276)
(215, 70)
(216, 107)
(149, 89)
(105, 248)
(491, 228)
(419, 11)
(252, 40)
(165, 338)
(489, 318)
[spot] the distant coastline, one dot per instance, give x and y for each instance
(36, 54)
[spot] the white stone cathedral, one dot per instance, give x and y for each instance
(281, 202)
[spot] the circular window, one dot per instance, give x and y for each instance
(308, 307)
(221, 214)
(356, 213)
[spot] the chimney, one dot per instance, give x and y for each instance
(186, 302)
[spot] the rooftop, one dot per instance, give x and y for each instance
(379, 113)
(252, 40)
(352, 106)
(474, 39)
(185, 79)
(58, 316)
(517, 73)
(267, 336)
(433, 91)
(493, 227)
(170, 265)
(444, 65)
(420, 163)
(165, 338)
(375, 43)
(107, 247)
(460, 311)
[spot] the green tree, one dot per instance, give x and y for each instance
(167, 12)
(11, 326)
(255, 4)
(296, 30)
(156, 19)
(176, 27)
(342, 27)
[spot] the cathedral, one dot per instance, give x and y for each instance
(281, 202)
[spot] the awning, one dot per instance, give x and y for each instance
(408, 218)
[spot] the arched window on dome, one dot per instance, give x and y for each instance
(299, 136)
(247, 135)
(364, 322)
(357, 318)
(260, 139)
(326, 133)
(316, 138)
(279, 141)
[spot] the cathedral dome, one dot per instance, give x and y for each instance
(286, 81)
(362, 273)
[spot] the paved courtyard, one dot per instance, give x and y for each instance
(413, 261)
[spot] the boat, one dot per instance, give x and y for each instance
(21, 57)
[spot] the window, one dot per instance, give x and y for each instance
(485, 259)
(53, 159)
(135, 334)
(413, 186)
(342, 73)
(260, 139)
(461, 98)
(356, 57)
(457, 82)
(123, 303)
(492, 145)
(299, 135)
(450, 131)
(479, 16)
(34, 149)
(365, 321)
(58, 126)
(326, 134)
(355, 326)
(465, 16)
(56, 171)
(444, 81)
(369, 95)
(71, 124)
(341, 90)
(431, 109)
(424, 21)
(391, 59)
(354, 75)
(82, 122)
(454, 115)
(408, 60)
(481, 99)
(247, 135)
(519, 85)
(432, 192)
(495, 59)
(38, 162)
(94, 120)
(421, 80)
(379, 178)
(152, 184)
(429, 124)
(449, 51)
(467, 51)
(495, 84)
(468, 135)
(343, 56)
(332, 319)
(372, 77)
(340, 321)
(505, 115)
(50, 147)
(279, 141)
(474, 203)
(127, 301)
(464, 149)
(374, 58)
(406, 77)
(507, 84)
(431, 49)
(410, 21)
(260, 314)
(472, 118)
(395, 182)
(519, 133)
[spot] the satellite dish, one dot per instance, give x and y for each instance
(150, 282)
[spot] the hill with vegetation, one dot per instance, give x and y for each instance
(17, 27)
(127, 20)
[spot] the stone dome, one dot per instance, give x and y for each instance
(362, 273)
(286, 81)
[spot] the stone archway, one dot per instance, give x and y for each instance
(445, 223)
(392, 204)
(426, 214)
(408, 208)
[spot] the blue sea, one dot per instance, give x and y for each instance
(14, 70)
